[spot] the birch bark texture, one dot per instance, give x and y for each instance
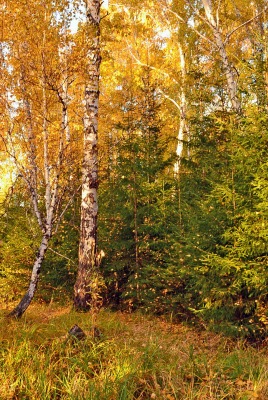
(46, 221)
(42, 166)
(88, 257)
(183, 109)
(229, 71)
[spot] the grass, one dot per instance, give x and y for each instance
(137, 357)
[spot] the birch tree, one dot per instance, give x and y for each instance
(88, 256)
(230, 72)
(258, 35)
(36, 115)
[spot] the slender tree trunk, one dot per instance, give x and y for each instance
(259, 39)
(88, 259)
(27, 298)
(230, 74)
(136, 237)
(183, 106)
(51, 194)
(64, 92)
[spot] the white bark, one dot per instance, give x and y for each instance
(183, 108)
(45, 151)
(46, 224)
(43, 161)
(231, 77)
(65, 84)
(51, 195)
(27, 298)
(89, 204)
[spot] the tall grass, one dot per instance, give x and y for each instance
(136, 357)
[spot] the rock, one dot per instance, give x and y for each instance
(77, 333)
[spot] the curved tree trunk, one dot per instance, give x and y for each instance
(51, 188)
(27, 298)
(88, 259)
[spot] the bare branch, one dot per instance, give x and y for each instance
(192, 27)
(139, 62)
(244, 24)
(61, 255)
(59, 218)
(170, 99)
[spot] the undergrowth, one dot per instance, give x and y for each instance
(136, 357)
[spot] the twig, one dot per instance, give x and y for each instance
(61, 255)
(65, 208)
(170, 99)
(192, 27)
(244, 23)
(139, 62)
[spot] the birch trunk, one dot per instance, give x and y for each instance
(50, 203)
(260, 43)
(31, 181)
(51, 190)
(88, 260)
(183, 105)
(27, 298)
(230, 74)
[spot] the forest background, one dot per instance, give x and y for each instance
(182, 155)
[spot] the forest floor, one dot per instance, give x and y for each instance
(136, 357)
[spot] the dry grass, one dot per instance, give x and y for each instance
(137, 357)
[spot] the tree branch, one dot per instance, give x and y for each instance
(244, 24)
(61, 255)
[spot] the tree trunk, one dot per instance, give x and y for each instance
(229, 72)
(42, 164)
(183, 106)
(27, 298)
(136, 238)
(51, 196)
(88, 260)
